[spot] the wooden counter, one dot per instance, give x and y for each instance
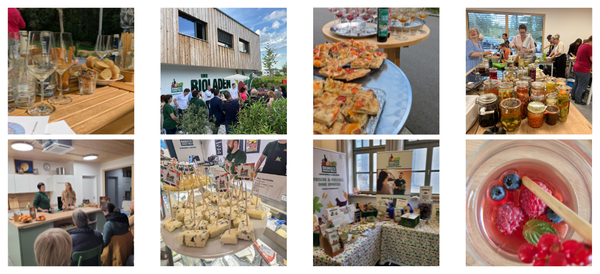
(575, 124)
(21, 237)
(391, 46)
(110, 110)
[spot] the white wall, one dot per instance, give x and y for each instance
(40, 166)
(127, 161)
(186, 74)
(569, 23)
(85, 169)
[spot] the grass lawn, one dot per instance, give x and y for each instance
(275, 78)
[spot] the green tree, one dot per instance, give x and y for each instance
(284, 69)
(269, 59)
(195, 121)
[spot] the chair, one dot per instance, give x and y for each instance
(118, 250)
(79, 256)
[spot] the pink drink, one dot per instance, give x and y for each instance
(493, 75)
(350, 17)
(508, 245)
(339, 14)
(366, 17)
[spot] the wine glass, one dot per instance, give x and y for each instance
(350, 16)
(412, 13)
(64, 51)
(13, 56)
(366, 17)
(339, 13)
(40, 63)
(104, 45)
(403, 17)
(423, 14)
(373, 13)
(333, 11)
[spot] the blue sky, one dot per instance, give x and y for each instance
(269, 23)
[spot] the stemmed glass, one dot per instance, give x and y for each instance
(373, 13)
(333, 11)
(350, 16)
(104, 45)
(40, 63)
(412, 13)
(403, 17)
(365, 16)
(64, 51)
(339, 13)
(395, 12)
(13, 56)
(423, 14)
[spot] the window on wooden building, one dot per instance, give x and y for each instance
(225, 39)
(244, 46)
(191, 26)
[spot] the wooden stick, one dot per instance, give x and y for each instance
(580, 225)
(194, 206)
(170, 204)
(246, 199)
(218, 200)
(238, 197)
(230, 208)
(258, 191)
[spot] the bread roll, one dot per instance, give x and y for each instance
(90, 61)
(101, 65)
(106, 74)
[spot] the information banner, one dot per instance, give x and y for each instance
(397, 165)
(330, 181)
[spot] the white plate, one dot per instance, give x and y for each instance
(101, 82)
(214, 248)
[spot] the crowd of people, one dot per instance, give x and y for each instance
(56, 246)
(222, 108)
(523, 43)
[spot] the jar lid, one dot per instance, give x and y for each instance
(538, 85)
(536, 107)
(552, 109)
(487, 98)
(537, 97)
(522, 83)
(510, 68)
(490, 82)
(510, 103)
(506, 85)
(526, 78)
(561, 80)
(551, 95)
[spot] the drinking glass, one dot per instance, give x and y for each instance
(333, 12)
(366, 16)
(423, 14)
(64, 51)
(339, 13)
(394, 13)
(403, 17)
(41, 64)
(13, 57)
(104, 45)
(350, 16)
(412, 13)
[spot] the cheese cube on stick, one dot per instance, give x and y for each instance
(171, 225)
(193, 238)
(227, 215)
(211, 217)
(256, 213)
(246, 231)
(217, 228)
(229, 237)
(240, 219)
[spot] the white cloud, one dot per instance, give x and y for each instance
(275, 15)
(281, 55)
(275, 25)
(261, 32)
(284, 19)
(277, 41)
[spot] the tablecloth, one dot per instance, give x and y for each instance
(411, 246)
(364, 251)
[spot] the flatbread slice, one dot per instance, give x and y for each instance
(317, 87)
(326, 113)
(354, 74)
(366, 102)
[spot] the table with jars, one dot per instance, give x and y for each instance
(525, 101)
(88, 105)
(400, 37)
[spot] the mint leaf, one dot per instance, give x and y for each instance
(534, 229)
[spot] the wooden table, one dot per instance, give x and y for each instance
(575, 124)
(110, 110)
(391, 46)
(472, 146)
(22, 236)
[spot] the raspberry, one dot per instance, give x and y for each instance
(509, 218)
(531, 204)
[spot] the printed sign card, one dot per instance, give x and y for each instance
(425, 194)
(245, 171)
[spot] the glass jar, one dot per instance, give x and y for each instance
(493, 73)
(523, 95)
(538, 87)
(535, 117)
(521, 73)
(510, 114)
(561, 81)
(532, 71)
(510, 74)
(551, 99)
(538, 97)
(490, 86)
(550, 85)
(24, 92)
(527, 79)
(505, 90)
(552, 114)
(488, 110)
(563, 102)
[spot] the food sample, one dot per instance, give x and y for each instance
(366, 102)
(201, 225)
(211, 217)
(256, 213)
(252, 200)
(246, 231)
(241, 219)
(317, 87)
(217, 228)
(361, 56)
(171, 225)
(228, 215)
(229, 237)
(193, 238)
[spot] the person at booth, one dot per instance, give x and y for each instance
(234, 154)
(275, 157)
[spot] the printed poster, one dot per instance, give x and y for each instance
(397, 167)
(330, 182)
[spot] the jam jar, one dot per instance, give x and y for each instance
(490, 86)
(505, 90)
(551, 99)
(535, 114)
(537, 97)
(510, 114)
(488, 110)
(552, 114)
(523, 95)
(550, 85)
(563, 102)
(538, 87)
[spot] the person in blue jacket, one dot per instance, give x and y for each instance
(216, 110)
(84, 237)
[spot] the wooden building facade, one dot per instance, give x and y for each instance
(207, 37)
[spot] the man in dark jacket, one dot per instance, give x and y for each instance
(216, 110)
(231, 108)
(196, 100)
(84, 237)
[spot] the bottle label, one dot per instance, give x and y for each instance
(383, 16)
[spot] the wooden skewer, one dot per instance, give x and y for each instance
(258, 191)
(238, 196)
(230, 208)
(194, 206)
(580, 225)
(246, 199)
(170, 204)
(218, 200)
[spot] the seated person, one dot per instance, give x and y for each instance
(117, 223)
(53, 248)
(84, 237)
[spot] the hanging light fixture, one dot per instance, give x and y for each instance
(90, 157)
(21, 146)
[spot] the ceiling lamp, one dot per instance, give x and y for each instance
(90, 157)
(21, 146)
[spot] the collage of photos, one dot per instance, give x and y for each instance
(376, 202)
(70, 202)
(223, 202)
(224, 71)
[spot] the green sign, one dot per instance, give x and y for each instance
(203, 75)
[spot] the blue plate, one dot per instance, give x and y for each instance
(14, 128)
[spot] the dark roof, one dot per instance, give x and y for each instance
(237, 21)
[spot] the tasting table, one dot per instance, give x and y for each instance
(391, 46)
(110, 110)
(388, 242)
(21, 236)
(575, 124)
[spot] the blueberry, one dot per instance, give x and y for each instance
(512, 181)
(497, 193)
(552, 216)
